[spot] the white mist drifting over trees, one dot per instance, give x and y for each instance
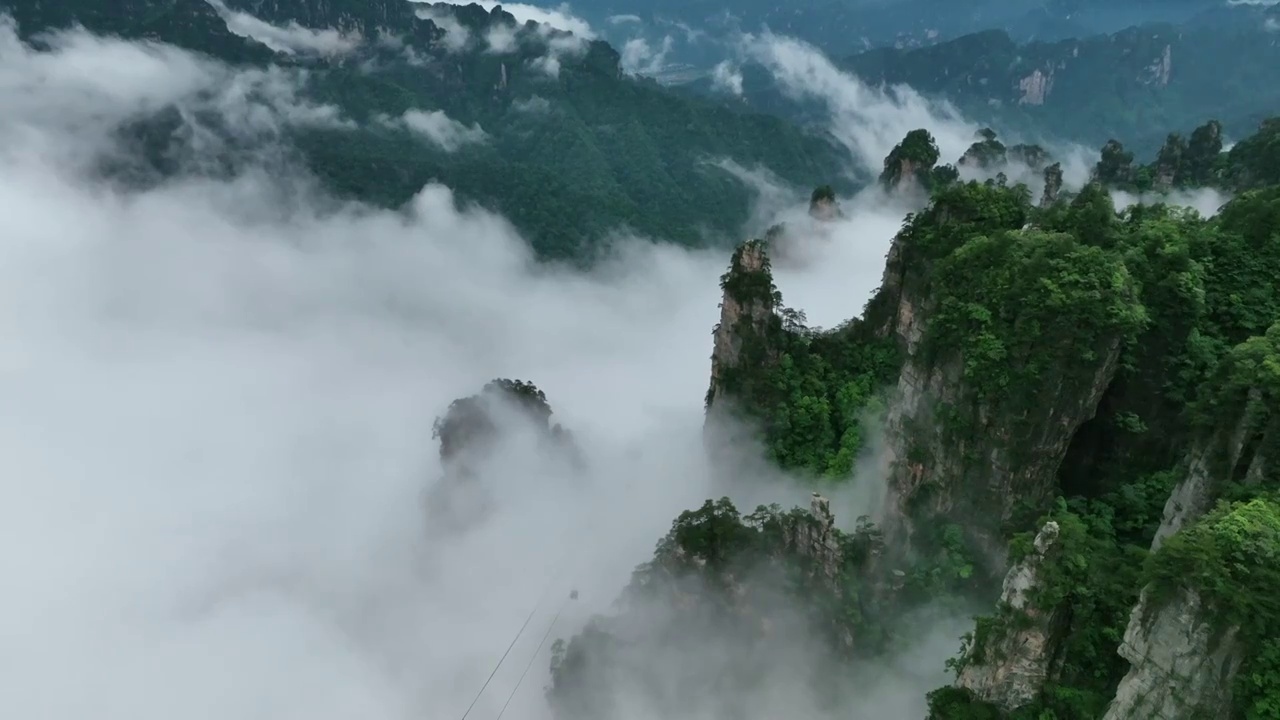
(219, 400)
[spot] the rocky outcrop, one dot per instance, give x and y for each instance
(986, 152)
(823, 205)
(1007, 662)
(1182, 666)
(475, 430)
(1169, 162)
(725, 601)
(742, 341)
(909, 165)
(1035, 88)
(813, 537)
(1159, 71)
(1052, 185)
(1115, 165)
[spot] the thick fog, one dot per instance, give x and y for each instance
(219, 397)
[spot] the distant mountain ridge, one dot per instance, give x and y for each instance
(529, 121)
(841, 27)
(1131, 85)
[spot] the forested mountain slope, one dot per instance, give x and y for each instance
(843, 26)
(1080, 401)
(1130, 85)
(532, 122)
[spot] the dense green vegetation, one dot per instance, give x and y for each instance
(570, 157)
(1176, 314)
(1205, 285)
(814, 392)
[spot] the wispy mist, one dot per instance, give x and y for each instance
(220, 399)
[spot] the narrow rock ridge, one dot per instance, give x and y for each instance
(1181, 666)
(823, 205)
(747, 318)
(813, 536)
(1052, 185)
(1009, 667)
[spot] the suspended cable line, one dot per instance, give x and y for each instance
(536, 652)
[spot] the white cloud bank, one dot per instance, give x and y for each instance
(560, 17)
(870, 120)
(867, 120)
(640, 58)
(727, 77)
(219, 397)
(434, 125)
(291, 39)
(456, 36)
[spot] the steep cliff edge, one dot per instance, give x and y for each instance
(1070, 363)
(1188, 421)
(1209, 611)
(1006, 663)
(1205, 637)
(747, 340)
(1240, 439)
(1011, 336)
(1180, 662)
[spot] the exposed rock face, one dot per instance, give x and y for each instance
(1182, 666)
(1052, 185)
(718, 607)
(908, 165)
(1036, 87)
(902, 317)
(747, 318)
(957, 451)
(1010, 667)
(1169, 162)
(1234, 452)
(1159, 72)
(814, 536)
(978, 479)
